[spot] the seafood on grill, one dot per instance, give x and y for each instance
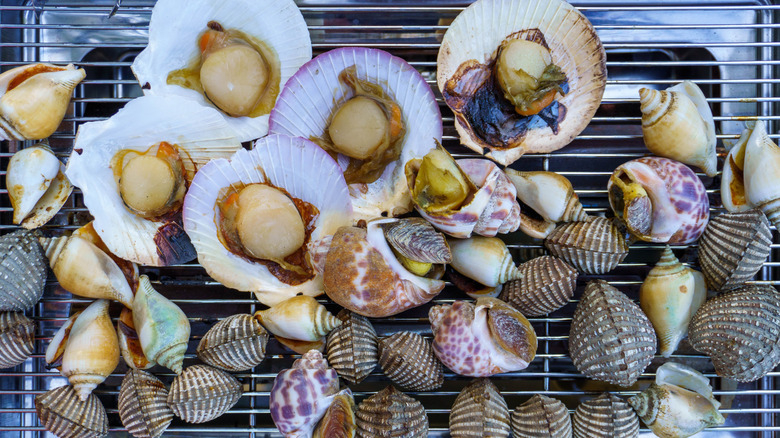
(202, 393)
(389, 413)
(352, 347)
(541, 417)
(479, 411)
(408, 360)
(339, 420)
(237, 343)
(65, 414)
(23, 269)
(485, 260)
(34, 99)
(545, 285)
(130, 342)
(550, 196)
(299, 318)
(17, 338)
(143, 405)
(417, 245)
(592, 247)
(606, 416)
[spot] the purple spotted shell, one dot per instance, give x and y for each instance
(301, 395)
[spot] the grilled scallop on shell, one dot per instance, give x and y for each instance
(541, 417)
(17, 338)
(237, 343)
(547, 284)
(595, 246)
(202, 393)
(352, 347)
(606, 416)
(23, 270)
(143, 405)
(391, 413)
(479, 411)
(408, 360)
(64, 414)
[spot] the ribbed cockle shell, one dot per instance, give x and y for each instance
(408, 360)
(762, 172)
(64, 414)
(237, 343)
(352, 347)
(592, 247)
(479, 411)
(541, 417)
(416, 239)
(606, 416)
(129, 342)
(391, 413)
(485, 260)
(301, 318)
(339, 419)
(22, 271)
(143, 405)
(202, 393)
(546, 284)
(17, 338)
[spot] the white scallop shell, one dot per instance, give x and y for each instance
(308, 99)
(173, 43)
(297, 165)
(141, 124)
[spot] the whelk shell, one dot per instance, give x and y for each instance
(64, 414)
(143, 405)
(408, 360)
(339, 419)
(237, 343)
(202, 393)
(546, 284)
(479, 411)
(732, 182)
(17, 338)
(352, 347)
(761, 170)
(37, 186)
(541, 417)
(301, 318)
(22, 271)
(484, 259)
(592, 247)
(129, 342)
(391, 413)
(606, 416)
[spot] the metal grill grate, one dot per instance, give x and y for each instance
(729, 48)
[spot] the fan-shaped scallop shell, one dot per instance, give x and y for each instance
(479, 411)
(541, 417)
(610, 339)
(202, 393)
(391, 413)
(237, 343)
(408, 360)
(17, 338)
(143, 405)
(23, 270)
(64, 414)
(740, 332)
(352, 347)
(547, 284)
(606, 416)
(592, 247)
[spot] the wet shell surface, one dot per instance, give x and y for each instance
(339, 419)
(541, 417)
(202, 393)
(129, 342)
(592, 247)
(550, 195)
(237, 343)
(300, 318)
(391, 413)
(64, 414)
(22, 271)
(416, 239)
(479, 411)
(610, 339)
(408, 360)
(606, 416)
(547, 284)
(143, 405)
(485, 260)
(17, 338)
(675, 412)
(761, 172)
(352, 347)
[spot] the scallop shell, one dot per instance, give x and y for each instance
(37, 186)
(733, 248)
(300, 318)
(574, 47)
(761, 169)
(485, 260)
(740, 332)
(202, 393)
(352, 347)
(237, 343)
(142, 123)
(546, 284)
(592, 247)
(129, 342)
(22, 271)
(64, 414)
(610, 339)
(294, 164)
(391, 413)
(479, 411)
(606, 416)
(541, 417)
(549, 194)
(339, 419)
(416, 239)
(17, 339)
(143, 405)
(408, 360)
(316, 86)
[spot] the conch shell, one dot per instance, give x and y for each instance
(762, 173)
(300, 318)
(732, 182)
(485, 260)
(130, 344)
(37, 185)
(339, 419)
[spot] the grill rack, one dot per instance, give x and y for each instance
(729, 48)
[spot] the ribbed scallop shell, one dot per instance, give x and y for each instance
(143, 405)
(237, 343)
(592, 247)
(23, 271)
(479, 411)
(391, 413)
(606, 416)
(202, 393)
(547, 284)
(740, 332)
(17, 338)
(37, 186)
(541, 417)
(352, 347)
(408, 360)
(733, 248)
(610, 339)
(62, 413)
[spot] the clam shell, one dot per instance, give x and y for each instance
(202, 393)
(339, 419)
(740, 332)
(22, 271)
(237, 343)
(408, 360)
(541, 417)
(391, 413)
(416, 239)
(479, 411)
(610, 339)
(300, 318)
(37, 186)
(143, 405)
(17, 338)
(352, 347)
(64, 414)
(484, 259)
(316, 87)
(592, 247)
(606, 416)
(547, 284)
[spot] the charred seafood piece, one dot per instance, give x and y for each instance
(237, 343)
(546, 284)
(23, 271)
(37, 185)
(352, 347)
(391, 413)
(592, 247)
(202, 393)
(17, 338)
(479, 411)
(143, 405)
(408, 360)
(63, 413)
(606, 416)
(541, 417)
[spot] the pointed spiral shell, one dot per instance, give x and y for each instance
(391, 413)
(352, 347)
(64, 414)
(541, 417)
(606, 416)
(479, 411)
(202, 393)
(301, 318)
(592, 247)
(143, 405)
(237, 343)
(547, 284)
(408, 360)
(485, 260)
(22, 271)
(17, 338)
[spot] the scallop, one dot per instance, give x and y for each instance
(391, 413)
(143, 405)
(202, 393)
(237, 343)
(479, 411)
(17, 339)
(22, 271)
(541, 417)
(408, 360)
(592, 247)
(64, 414)
(606, 416)
(546, 285)
(352, 347)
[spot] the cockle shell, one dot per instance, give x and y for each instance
(484, 259)
(659, 200)
(64, 414)
(541, 417)
(301, 318)
(416, 239)
(408, 360)
(482, 339)
(479, 411)
(237, 343)
(17, 338)
(22, 271)
(606, 416)
(202, 393)
(677, 123)
(301, 395)
(163, 328)
(592, 247)
(129, 342)
(740, 332)
(339, 419)
(733, 248)
(391, 413)
(37, 186)
(669, 296)
(546, 284)
(143, 405)
(610, 339)
(761, 173)
(549, 194)
(352, 347)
